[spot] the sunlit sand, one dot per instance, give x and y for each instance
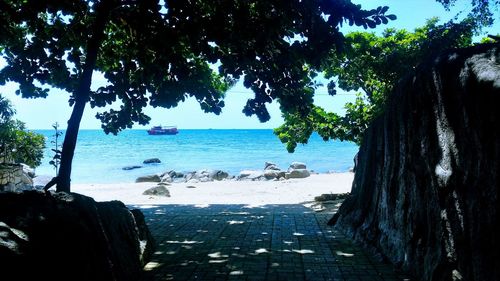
(291, 191)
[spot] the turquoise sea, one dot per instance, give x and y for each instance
(99, 158)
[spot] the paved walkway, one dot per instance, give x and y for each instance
(237, 242)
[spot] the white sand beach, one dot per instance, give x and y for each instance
(291, 191)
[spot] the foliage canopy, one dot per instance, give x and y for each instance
(373, 64)
(159, 53)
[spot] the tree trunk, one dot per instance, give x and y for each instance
(69, 144)
(81, 95)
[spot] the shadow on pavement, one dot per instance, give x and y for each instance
(243, 242)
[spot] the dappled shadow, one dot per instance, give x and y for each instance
(267, 242)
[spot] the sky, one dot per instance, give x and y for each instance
(42, 113)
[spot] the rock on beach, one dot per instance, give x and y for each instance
(128, 168)
(152, 161)
(159, 190)
(296, 170)
(149, 178)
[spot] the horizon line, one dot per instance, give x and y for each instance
(100, 129)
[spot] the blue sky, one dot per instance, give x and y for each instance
(42, 113)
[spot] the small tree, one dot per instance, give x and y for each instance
(56, 159)
(6, 113)
(18, 145)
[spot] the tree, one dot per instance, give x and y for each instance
(6, 110)
(373, 64)
(159, 54)
(56, 159)
(482, 10)
(18, 145)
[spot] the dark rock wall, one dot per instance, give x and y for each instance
(69, 237)
(425, 193)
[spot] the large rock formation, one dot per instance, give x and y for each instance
(426, 189)
(70, 237)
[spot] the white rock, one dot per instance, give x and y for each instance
(25, 179)
(193, 181)
(297, 165)
(251, 174)
(297, 174)
(166, 178)
(273, 174)
(28, 170)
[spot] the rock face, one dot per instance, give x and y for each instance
(70, 237)
(426, 188)
(16, 177)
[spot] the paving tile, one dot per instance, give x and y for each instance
(272, 242)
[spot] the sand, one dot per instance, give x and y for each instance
(291, 191)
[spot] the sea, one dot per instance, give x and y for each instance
(100, 158)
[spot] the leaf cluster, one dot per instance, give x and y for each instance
(482, 10)
(328, 125)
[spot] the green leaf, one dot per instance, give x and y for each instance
(391, 17)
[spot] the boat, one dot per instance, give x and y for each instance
(163, 130)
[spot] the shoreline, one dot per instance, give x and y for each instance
(102, 158)
(254, 193)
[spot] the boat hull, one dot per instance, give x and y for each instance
(158, 130)
(150, 132)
